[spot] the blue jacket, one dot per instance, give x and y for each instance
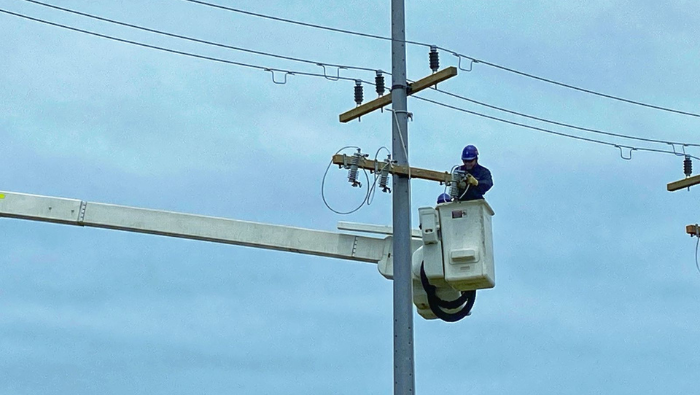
(483, 175)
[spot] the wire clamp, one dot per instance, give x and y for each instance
(331, 77)
(284, 81)
(673, 145)
(622, 155)
(409, 115)
(459, 64)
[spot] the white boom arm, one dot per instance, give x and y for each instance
(198, 227)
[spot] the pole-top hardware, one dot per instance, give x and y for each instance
(353, 167)
(379, 83)
(412, 88)
(689, 180)
(358, 92)
(434, 58)
(368, 164)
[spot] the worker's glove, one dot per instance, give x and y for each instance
(461, 184)
(471, 180)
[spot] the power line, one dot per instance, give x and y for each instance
(597, 131)
(305, 24)
(92, 16)
(343, 67)
(473, 59)
(619, 146)
(173, 51)
(638, 103)
(289, 72)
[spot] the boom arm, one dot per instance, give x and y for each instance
(197, 227)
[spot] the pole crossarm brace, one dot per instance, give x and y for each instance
(376, 166)
(385, 100)
(685, 183)
(196, 227)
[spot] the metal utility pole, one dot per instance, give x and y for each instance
(404, 379)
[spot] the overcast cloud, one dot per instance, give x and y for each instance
(597, 289)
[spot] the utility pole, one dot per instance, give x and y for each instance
(404, 377)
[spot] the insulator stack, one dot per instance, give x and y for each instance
(434, 59)
(358, 92)
(379, 83)
(384, 176)
(687, 166)
(354, 167)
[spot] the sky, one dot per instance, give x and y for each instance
(597, 287)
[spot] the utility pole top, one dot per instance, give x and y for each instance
(385, 100)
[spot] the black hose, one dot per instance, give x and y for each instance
(436, 304)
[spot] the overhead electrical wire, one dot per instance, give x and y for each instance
(189, 54)
(212, 43)
(597, 131)
(473, 59)
(305, 24)
(569, 86)
(339, 66)
(619, 146)
(290, 72)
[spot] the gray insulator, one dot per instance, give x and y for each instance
(384, 178)
(354, 167)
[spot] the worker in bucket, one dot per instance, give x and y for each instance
(478, 180)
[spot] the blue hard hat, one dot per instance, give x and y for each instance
(470, 152)
(444, 198)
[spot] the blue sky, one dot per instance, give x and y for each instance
(597, 289)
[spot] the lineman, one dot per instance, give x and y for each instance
(478, 177)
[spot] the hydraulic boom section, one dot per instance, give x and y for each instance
(452, 252)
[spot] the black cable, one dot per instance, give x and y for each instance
(305, 24)
(552, 131)
(99, 18)
(475, 60)
(268, 69)
(346, 67)
(562, 123)
(638, 103)
(343, 78)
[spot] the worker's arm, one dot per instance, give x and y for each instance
(485, 180)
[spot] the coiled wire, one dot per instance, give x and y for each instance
(371, 187)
